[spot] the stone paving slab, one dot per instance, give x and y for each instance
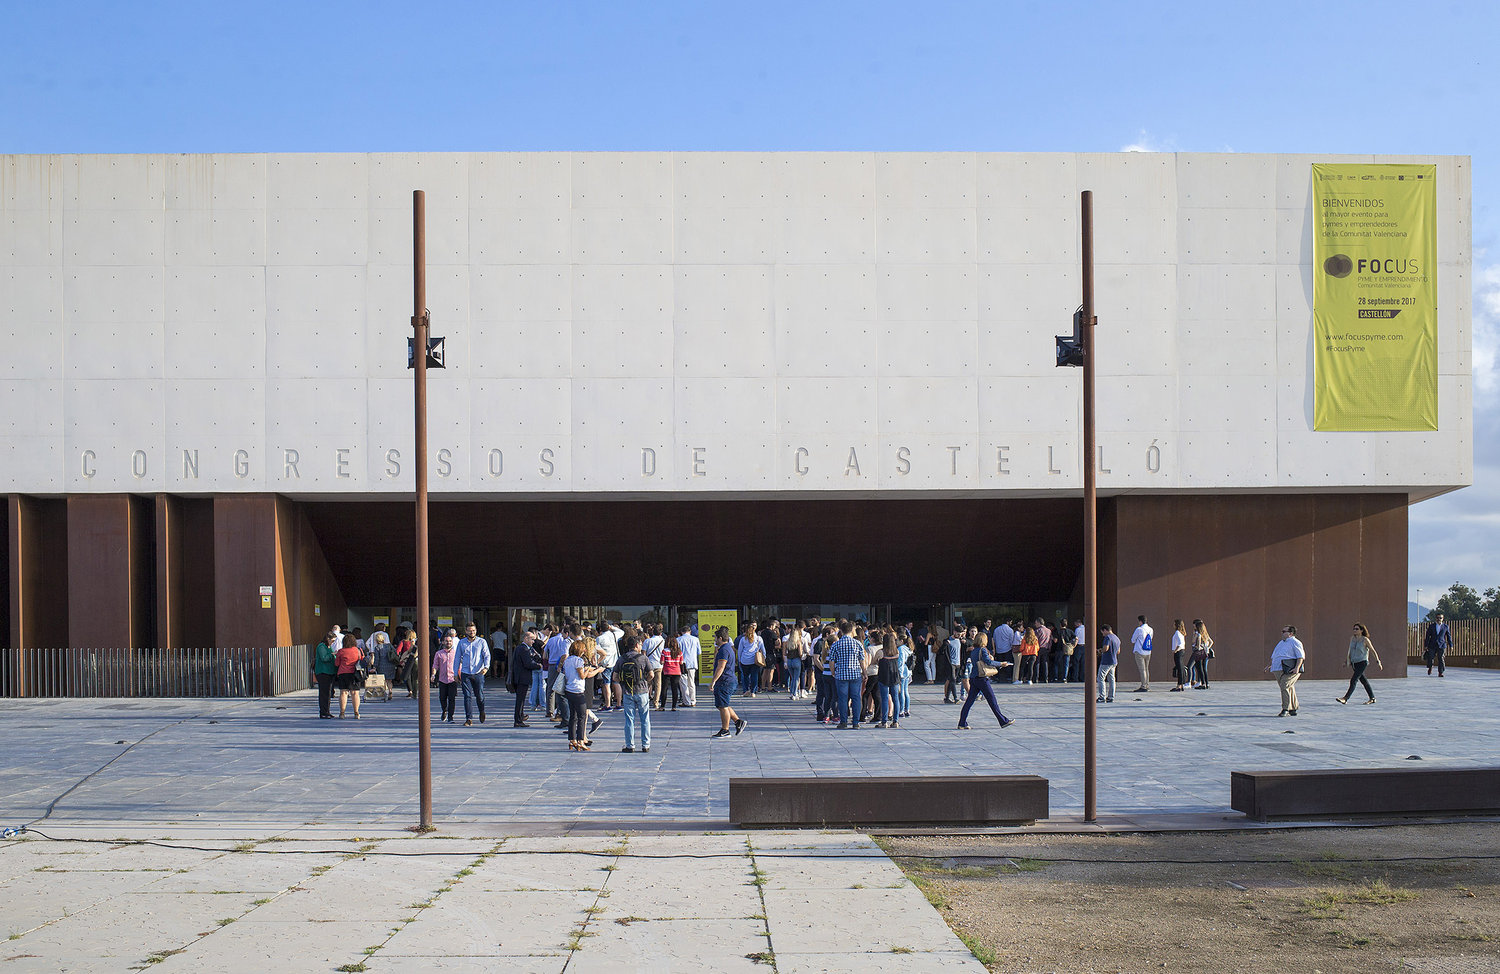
(404, 903)
(264, 763)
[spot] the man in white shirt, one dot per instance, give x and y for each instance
(691, 647)
(1287, 660)
(499, 640)
(1140, 648)
(608, 642)
(655, 643)
(1080, 656)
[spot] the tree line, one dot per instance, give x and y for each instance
(1462, 602)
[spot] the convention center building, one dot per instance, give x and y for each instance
(790, 384)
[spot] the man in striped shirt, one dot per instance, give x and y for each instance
(849, 660)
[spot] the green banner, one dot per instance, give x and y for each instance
(1374, 297)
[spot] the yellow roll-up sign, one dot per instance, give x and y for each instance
(1374, 297)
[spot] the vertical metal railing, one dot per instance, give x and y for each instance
(123, 672)
(1477, 638)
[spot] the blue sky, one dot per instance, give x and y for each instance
(989, 76)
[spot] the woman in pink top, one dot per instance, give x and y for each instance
(445, 665)
(671, 672)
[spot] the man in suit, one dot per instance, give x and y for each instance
(1436, 643)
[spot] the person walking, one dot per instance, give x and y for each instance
(722, 682)
(473, 664)
(350, 679)
(1435, 645)
(1179, 650)
(325, 671)
(984, 667)
(634, 674)
(1361, 651)
(1203, 651)
(1109, 659)
(445, 669)
(1287, 660)
(1140, 648)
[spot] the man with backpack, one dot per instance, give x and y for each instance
(634, 673)
(1140, 644)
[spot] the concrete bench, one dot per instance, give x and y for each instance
(1265, 795)
(837, 802)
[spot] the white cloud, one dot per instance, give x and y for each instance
(1456, 537)
(1145, 142)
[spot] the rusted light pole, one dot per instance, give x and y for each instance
(420, 323)
(1090, 527)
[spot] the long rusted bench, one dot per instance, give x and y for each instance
(1267, 795)
(836, 802)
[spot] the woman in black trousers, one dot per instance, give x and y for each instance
(1361, 651)
(979, 682)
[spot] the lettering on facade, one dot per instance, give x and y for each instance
(803, 462)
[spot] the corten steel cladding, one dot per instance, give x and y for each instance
(1090, 527)
(419, 324)
(1375, 295)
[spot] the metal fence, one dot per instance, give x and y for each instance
(154, 672)
(1476, 642)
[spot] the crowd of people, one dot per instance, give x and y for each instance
(848, 672)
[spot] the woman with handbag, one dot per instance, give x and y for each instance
(1203, 651)
(984, 667)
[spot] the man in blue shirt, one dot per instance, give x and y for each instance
(472, 660)
(849, 660)
(557, 650)
(953, 650)
(1109, 658)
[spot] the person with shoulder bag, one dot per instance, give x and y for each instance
(325, 671)
(1203, 651)
(985, 667)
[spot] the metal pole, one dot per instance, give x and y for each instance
(419, 324)
(1090, 529)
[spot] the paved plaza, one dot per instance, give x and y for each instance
(272, 761)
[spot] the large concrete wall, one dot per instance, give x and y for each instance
(692, 323)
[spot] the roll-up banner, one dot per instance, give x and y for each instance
(1374, 297)
(708, 621)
